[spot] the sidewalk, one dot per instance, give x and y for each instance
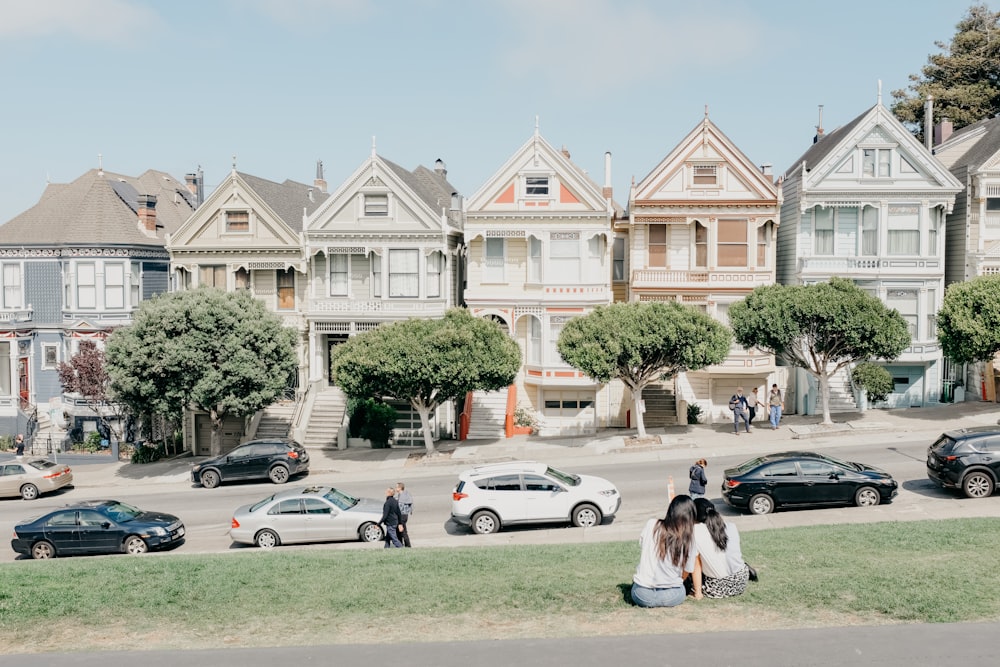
(678, 443)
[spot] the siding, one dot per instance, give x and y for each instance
(786, 252)
(956, 229)
(45, 381)
(43, 291)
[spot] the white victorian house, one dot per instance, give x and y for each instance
(702, 230)
(868, 202)
(538, 236)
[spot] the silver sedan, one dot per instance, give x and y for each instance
(29, 478)
(309, 514)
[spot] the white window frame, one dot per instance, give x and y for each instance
(114, 285)
(876, 162)
(534, 259)
(13, 285)
(86, 286)
(537, 185)
(48, 348)
(705, 175)
(346, 273)
(236, 213)
(494, 262)
(404, 284)
(376, 272)
(618, 261)
(135, 284)
(376, 204)
(534, 340)
(869, 231)
(825, 245)
(435, 272)
(903, 231)
(565, 257)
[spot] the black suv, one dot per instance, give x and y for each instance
(968, 459)
(276, 460)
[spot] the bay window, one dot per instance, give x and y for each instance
(534, 259)
(404, 274)
(732, 243)
(434, 270)
(869, 231)
(493, 260)
(339, 272)
(823, 231)
(564, 256)
(904, 230)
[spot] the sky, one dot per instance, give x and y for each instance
(175, 85)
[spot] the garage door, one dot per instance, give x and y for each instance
(232, 431)
(569, 412)
(907, 387)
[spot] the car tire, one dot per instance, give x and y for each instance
(370, 532)
(587, 516)
(866, 496)
(761, 504)
(210, 479)
(29, 492)
(43, 550)
(485, 522)
(267, 539)
(135, 545)
(278, 474)
(978, 484)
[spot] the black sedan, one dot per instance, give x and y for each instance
(276, 460)
(804, 478)
(96, 527)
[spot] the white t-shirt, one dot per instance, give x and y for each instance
(655, 573)
(716, 563)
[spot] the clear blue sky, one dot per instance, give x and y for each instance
(175, 84)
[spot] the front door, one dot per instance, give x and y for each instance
(332, 341)
(23, 384)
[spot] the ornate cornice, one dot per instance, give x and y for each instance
(59, 253)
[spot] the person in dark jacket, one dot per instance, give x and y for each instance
(405, 500)
(696, 489)
(390, 519)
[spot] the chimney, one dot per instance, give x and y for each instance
(196, 186)
(819, 128)
(565, 152)
(439, 168)
(319, 182)
(147, 213)
(456, 201)
(607, 190)
(765, 169)
(929, 122)
(942, 131)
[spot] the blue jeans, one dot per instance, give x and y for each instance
(391, 540)
(775, 415)
(657, 597)
(740, 415)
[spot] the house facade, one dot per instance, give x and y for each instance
(702, 231)
(538, 237)
(869, 202)
(75, 266)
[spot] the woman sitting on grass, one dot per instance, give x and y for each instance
(719, 570)
(668, 555)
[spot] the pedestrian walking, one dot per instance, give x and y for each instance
(390, 519)
(19, 445)
(752, 404)
(776, 404)
(738, 404)
(696, 489)
(405, 500)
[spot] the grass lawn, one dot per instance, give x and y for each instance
(813, 576)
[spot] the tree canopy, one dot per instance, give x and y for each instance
(821, 328)
(427, 362)
(964, 78)
(85, 374)
(874, 379)
(969, 320)
(220, 352)
(641, 342)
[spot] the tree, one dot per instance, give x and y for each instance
(874, 379)
(427, 362)
(220, 352)
(964, 78)
(642, 342)
(821, 328)
(85, 374)
(969, 320)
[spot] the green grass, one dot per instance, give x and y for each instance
(932, 571)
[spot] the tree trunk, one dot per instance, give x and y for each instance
(640, 424)
(215, 448)
(425, 425)
(824, 396)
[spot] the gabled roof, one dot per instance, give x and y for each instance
(826, 144)
(100, 208)
(431, 186)
(984, 143)
(288, 200)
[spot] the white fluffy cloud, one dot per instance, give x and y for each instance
(107, 21)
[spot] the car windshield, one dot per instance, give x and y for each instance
(747, 466)
(340, 499)
(850, 465)
(256, 506)
(41, 464)
(943, 444)
(121, 512)
(567, 478)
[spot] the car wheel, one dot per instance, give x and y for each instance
(370, 532)
(278, 474)
(485, 522)
(761, 504)
(43, 550)
(135, 545)
(29, 491)
(866, 496)
(977, 484)
(267, 539)
(210, 479)
(586, 516)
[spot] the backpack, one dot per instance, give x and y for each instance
(733, 402)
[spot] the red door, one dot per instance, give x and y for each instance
(22, 381)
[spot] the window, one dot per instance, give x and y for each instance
(818, 469)
(135, 284)
(658, 246)
(700, 245)
(86, 285)
(823, 231)
(339, 265)
(493, 261)
(501, 483)
(286, 507)
(376, 276)
(286, 289)
(993, 204)
(762, 246)
(618, 260)
(212, 276)
(316, 506)
(242, 278)
(50, 355)
(564, 256)
(114, 285)
(876, 162)
(595, 249)
(932, 235)
(434, 267)
(705, 174)
(536, 186)
(780, 469)
(732, 242)
(869, 231)
(553, 357)
(931, 313)
(5, 368)
(534, 259)
(904, 230)
(376, 205)
(404, 274)
(537, 483)
(906, 302)
(534, 340)
(237, 221)
(12, 285)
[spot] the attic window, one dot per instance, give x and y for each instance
(376, 205)
(237, 221)
(536, 186)
(705, 174)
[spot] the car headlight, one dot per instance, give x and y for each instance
(196, 468)
(609, 492)
(158, 531)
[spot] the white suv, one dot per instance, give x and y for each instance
(491, 496)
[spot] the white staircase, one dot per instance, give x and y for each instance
(661, 405)
(276, 422)
(841, 395)
(326, 418)
(489, 411)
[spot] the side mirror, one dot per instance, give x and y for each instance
(106, 525)
(229, 459)
(834, 475)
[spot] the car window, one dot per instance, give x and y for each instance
(41, 464)
(780, 469)
(942, 444)
(62, 519)
(91, 518)
(121, 512)
(316, 506)
(501, 483)
(240, 452)
(538, 483)
(819, 469)
(340, 499)
(566, 478)
(256, 506)
(287, 507)
(11, 469)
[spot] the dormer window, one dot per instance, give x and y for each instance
(536, 186)
(237, 221)
(376, 205)
(705, 174)
(876, 162)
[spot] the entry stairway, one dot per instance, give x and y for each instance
(489, 414)
(325, 418)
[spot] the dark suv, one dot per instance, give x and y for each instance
(968, 459)
(276, 460)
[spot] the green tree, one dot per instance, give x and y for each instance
(427, 362)
(874, 379)
(969, 320)
(964, 78)
(220, 352)
(642, 342)
(821, 328)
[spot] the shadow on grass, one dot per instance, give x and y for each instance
(626, 592)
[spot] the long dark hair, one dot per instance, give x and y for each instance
(708, 515)
(673, 532)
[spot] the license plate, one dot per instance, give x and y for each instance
(180, 532)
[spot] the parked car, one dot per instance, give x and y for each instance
(967, 459)
(310, 514)
(96, 527)
(490, 497)
(31, 478)
(276, 460)
(804, 478)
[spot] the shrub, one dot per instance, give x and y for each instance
(524, 417)
(372, 420)
(694, 413)
(874, 379)
(144, 453)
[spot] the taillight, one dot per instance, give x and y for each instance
(236, 524)
(293, 455)
(732, 483)
(54, 474)
(456, 496)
